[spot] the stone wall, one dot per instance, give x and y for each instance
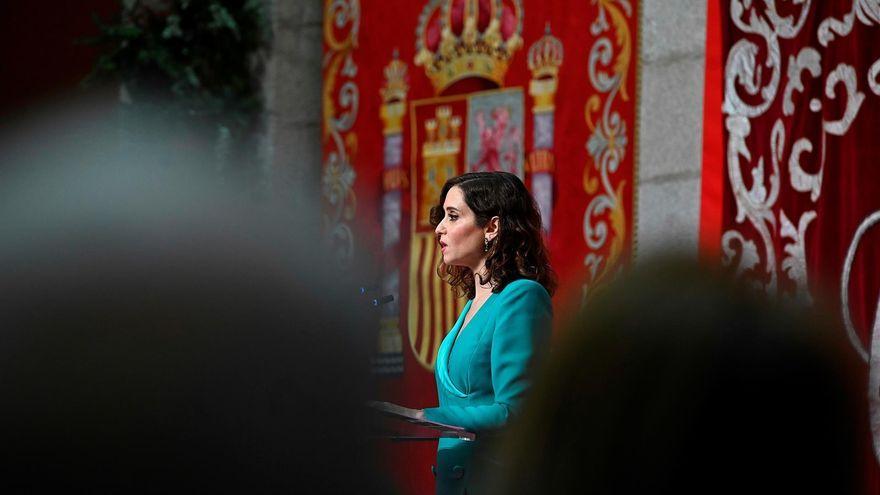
(293, 101)
(670, 126)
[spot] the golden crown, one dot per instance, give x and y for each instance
(457, 39)
(394, 96)
(395, 87)
(544, 58)
(545, 55)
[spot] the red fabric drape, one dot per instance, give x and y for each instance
(801, 182)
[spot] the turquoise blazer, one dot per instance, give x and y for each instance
(482, 374)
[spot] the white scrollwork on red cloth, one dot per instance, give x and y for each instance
(801, 113)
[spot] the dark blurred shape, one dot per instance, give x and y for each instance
(205, 58)
(676, 381)
(42, 57)
(161, 333)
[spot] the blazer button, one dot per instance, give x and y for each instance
(458, 472)
(433, 471)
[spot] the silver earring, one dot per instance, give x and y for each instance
(485, 244)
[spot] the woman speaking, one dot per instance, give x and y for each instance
(489, 230)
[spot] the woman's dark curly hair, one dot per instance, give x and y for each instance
(517, 251)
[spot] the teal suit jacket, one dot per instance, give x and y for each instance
(483, 374)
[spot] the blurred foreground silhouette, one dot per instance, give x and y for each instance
(676, 381)
(161, 333)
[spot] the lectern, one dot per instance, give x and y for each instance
(403, 425)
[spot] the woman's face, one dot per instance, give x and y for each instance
(461, 239)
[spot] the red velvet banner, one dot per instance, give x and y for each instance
(801, 183)
(416, 92)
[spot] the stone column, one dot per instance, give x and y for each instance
(292, 88)
(672, 52)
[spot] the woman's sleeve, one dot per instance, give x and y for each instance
(522, 330)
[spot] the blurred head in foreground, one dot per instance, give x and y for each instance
(159, 334)
(675, 381)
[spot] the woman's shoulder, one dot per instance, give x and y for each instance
(524, 287)
(523, 297)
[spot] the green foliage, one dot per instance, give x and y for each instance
(205, 55)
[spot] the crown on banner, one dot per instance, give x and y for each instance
(456, 39)
(395, 87)
(545, 55)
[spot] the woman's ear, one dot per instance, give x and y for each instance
(493, 227)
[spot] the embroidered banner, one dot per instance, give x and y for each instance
(800, 204)
(416, 92)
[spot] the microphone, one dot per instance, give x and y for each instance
(383, 300)
(378, 301)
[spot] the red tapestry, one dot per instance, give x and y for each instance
(416, 92)
(798, 192)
